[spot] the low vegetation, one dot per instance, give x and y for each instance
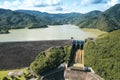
(2, 31)
(103, 55)
(50, 59)
(93, 32)
(4, 74)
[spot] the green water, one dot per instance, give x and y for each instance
(58, 32)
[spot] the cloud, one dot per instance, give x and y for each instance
(51, 2)
(85, 2)
(56, 6)
(112, 2)
(88, 2)
(98, 1)
(10, 5)
(45, 5)
(41, 5)
(107, 3)
(28, 3)
(59, 9)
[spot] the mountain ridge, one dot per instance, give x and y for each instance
(14, 20)
(61, 17)
(108, 20)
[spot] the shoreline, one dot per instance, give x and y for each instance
(93, 32)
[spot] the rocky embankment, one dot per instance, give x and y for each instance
(21, 54)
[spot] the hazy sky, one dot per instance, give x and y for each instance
(59, 6)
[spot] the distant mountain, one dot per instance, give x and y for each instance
(14, 20)
(106, 21)
(52, 18)
(66, 18)
(92, 13)
(77, 20)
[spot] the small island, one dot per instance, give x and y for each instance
(4, 31)
(31, 26)
(37, 26)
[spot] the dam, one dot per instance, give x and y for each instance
(21, 54)
(75, 68)
(15, 55)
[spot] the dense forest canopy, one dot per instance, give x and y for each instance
(50, 59)
(103, 55)
(108, 20)
(16, 20)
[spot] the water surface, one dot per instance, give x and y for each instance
(58, 32)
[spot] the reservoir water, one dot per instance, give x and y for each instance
(58, 32)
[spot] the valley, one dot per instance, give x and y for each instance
(42, 41)
(105, 21)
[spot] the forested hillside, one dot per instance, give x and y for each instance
(15, 20)
(103, 55)
(50, 59)
(53, 19)
(106, 21)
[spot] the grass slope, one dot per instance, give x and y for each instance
(4, 73)
(103, 55)
(93, 32)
